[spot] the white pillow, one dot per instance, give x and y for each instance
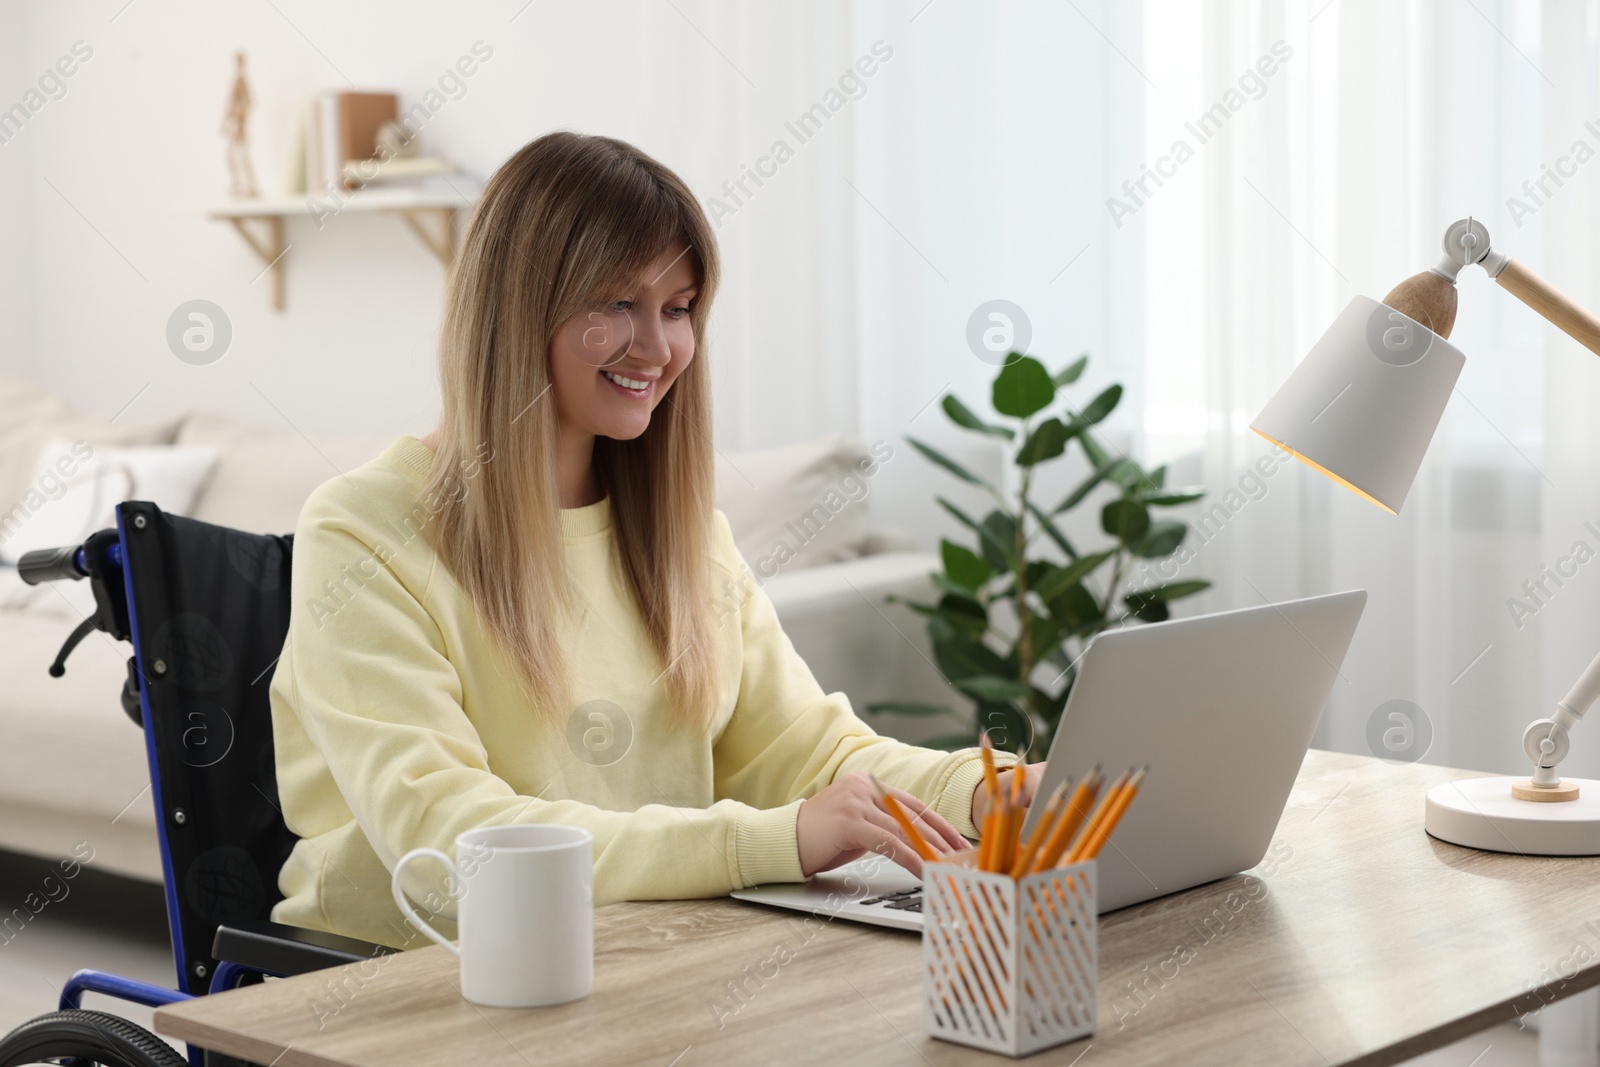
(797, 506)
(75, 492)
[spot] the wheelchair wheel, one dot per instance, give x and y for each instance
(85, 1037)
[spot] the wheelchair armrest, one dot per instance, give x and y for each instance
(276, 949)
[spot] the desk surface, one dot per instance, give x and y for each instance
(1363, 941)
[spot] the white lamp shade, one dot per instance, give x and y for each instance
(1363, 405)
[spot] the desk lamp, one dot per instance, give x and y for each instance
(1361, 408)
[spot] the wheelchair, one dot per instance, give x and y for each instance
(206, 610)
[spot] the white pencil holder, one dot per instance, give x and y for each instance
(1008, 965)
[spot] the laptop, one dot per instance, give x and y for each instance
(1222, 708)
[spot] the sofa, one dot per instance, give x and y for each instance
(72, 767)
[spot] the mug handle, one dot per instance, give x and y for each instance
(404, 902)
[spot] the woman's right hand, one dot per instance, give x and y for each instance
(845, 821)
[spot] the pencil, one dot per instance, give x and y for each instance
(991, 777)
(1041, 829)
(988, 841)
(1128, 791)
(1016, 813)
(1068, 821)
(991, 780)
(1000, 853)
(913, 835)
(1075, 854)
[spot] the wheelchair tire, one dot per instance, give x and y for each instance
(86, 1037)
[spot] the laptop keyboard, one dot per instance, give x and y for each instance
(905, 900)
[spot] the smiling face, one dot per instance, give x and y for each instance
(610, 366)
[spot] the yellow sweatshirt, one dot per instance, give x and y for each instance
(398, 723)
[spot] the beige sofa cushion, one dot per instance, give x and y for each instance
(800, 505)
(30, 416)
(264, 473)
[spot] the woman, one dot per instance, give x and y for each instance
(535, 613)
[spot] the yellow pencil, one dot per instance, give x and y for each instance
(1041, 830)
(1068, 821)
(1075, 854)
(913, 835)
(1104, 832)
(988, 840)
(991, 777)
(991, 780)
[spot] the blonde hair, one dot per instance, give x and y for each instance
(567, 221)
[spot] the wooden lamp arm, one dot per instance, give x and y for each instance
(1551, 303)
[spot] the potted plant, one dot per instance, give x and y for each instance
(1020, 603)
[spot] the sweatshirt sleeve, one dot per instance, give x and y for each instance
(788, 739)
(373, 686)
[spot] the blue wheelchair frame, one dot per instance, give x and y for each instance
(89, 980)
(243, 949)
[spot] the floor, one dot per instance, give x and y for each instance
(103, 921)
(91, 920)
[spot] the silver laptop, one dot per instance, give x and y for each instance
(1222, 707)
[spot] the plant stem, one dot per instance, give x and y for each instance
(1024, 636)
(1116, 577)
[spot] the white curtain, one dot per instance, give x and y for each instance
(1189, 192)
(1388, 122)
(1329, 145)
(1391, 121)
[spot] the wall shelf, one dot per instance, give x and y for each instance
(431, 214)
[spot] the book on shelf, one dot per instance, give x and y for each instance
(342, 127)
(401, 170)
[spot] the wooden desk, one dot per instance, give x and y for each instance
(1366, 942)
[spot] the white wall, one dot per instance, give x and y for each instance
(16, 233)
(101, 233)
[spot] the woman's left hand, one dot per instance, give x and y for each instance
(1032, 772)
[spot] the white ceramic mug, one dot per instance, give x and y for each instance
(525, 912)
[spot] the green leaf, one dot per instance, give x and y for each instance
(999, 532)
(1023, 388)
(1125, 520)
(1059, 579)
(1072, 373)
(1046, 442)
(992, 688)
(962, 657)
(1098, 456)
(998, 553)
(1147, 609)
(1076, 607)
(1006, 726)
(960, 615)
(962, 416)
(964, 566)
(1126, 473)
(1158, 477)
(1161, 539)
(1098, 409)
(951, 742)
(946, 462)
(1167, 498)
(1074, 498)
(1045, 633)
(962, 605)
(907, 707)
(1151, 604)
(1050, 529)
(1171, 591)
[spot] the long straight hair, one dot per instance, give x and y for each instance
(565, 224)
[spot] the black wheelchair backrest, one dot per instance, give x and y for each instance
(209, 612)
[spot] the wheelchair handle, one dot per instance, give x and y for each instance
(51, 564)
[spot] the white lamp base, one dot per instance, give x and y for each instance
(1481, 813)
